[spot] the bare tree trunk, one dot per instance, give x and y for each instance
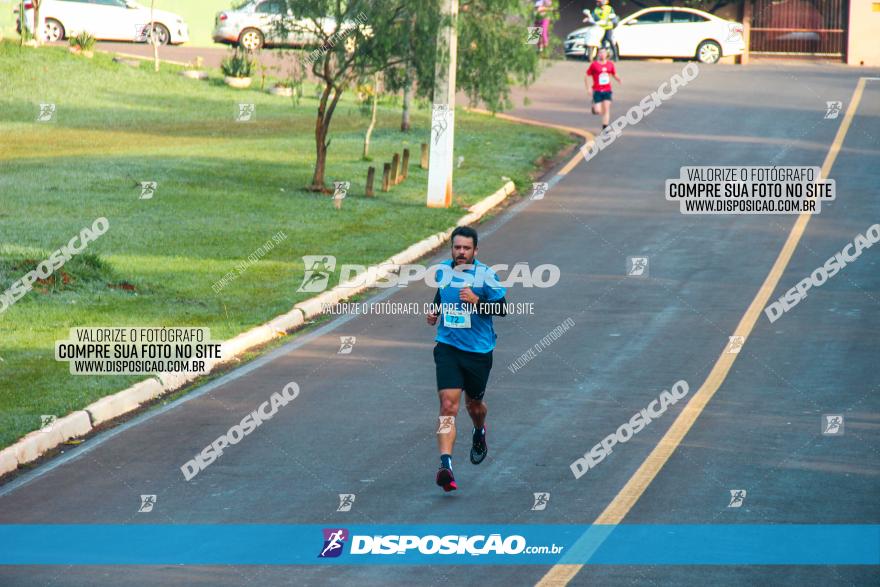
(37, 36)
(320, 145)
(153, 38)
(407, 102)
(322, 129)
(372, 117)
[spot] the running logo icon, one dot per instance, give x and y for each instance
(334, 540)
(737, 496)
(346, 345)
(246, 112)
(447, 423)
(148, 188)
(735, 344)
(47, 113)
(346, 500)
(538, 190)
(832, 109)
(439, 121)
(534, 35)
(637, 266)
(832, 425)
(319, 268)
(541, 501)
(147, 503)
(340, 189)
(47, 420)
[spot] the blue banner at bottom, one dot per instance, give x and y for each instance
(489, 544)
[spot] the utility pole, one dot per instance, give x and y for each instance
(443, 113)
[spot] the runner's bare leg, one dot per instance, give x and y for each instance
(449, 402)
(477, 409)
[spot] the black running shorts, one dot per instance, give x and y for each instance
(458, 369)
(599, 97)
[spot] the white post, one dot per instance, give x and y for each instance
(443, 114)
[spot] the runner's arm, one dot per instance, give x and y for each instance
(434, 314)
(491, 297)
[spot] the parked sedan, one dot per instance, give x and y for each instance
(106, 20)
(669, 31)
(257, 23)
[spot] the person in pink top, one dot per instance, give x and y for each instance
(601, 70)
(542, 21)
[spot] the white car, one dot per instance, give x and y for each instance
(670, 31)
(106, 20)
(257, 23)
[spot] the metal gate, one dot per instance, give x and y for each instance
(799, 27)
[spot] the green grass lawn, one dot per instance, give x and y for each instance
(224, 188)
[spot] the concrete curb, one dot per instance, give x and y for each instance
(8, 460)
(142, 58)
(37, 443)
(121, 402)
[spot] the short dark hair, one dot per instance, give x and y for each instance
(465, 231)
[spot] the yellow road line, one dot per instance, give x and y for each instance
(614, 513)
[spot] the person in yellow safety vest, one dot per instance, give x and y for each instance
(605, 17)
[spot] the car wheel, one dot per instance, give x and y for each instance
(53, 30)
(251, 39)
(708, 52)
(163, 37)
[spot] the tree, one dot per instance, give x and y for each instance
(369, 102)
(352, 42)
(492, 52)
(154, 38)
(398, 37)
(417, 45)
(38, 32)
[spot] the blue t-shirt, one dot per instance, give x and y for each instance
(459, 325)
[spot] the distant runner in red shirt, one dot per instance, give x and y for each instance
(602, 71)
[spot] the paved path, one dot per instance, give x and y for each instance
(364, 422)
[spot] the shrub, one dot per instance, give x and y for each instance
(84, 41)
(238, 65)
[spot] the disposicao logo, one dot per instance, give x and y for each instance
(334, 540)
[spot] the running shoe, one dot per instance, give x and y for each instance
(446, 480)
(479, 448)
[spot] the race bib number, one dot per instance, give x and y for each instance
(456, 319)
(604, 79)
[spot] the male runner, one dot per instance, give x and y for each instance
(602, 71)
(465, 339)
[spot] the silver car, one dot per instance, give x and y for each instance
(256, 24)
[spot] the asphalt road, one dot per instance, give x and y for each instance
(364, 422)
